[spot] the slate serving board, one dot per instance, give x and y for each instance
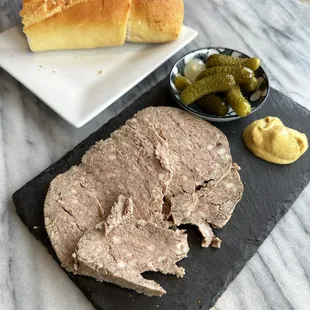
(269, 192)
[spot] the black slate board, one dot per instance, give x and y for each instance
(269, 192)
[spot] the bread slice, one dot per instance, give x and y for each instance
(35, 11)
(90, 24)
(155, 21)
(84, 24)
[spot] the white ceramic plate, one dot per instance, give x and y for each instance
(78, 85)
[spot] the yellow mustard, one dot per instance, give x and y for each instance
(270, 140)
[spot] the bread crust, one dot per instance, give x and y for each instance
(90, 24)
(83, 24)
(36, 11)
(155, 21)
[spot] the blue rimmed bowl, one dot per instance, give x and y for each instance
(256, 98)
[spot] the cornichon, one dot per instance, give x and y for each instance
(241, 74)
(251, 86)
(209, 85)
(238, 103)
(224, 60)
(181, 82)
(213, 104)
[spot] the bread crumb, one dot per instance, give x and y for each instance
(99, 71)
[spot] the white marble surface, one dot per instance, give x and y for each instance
(32, 137)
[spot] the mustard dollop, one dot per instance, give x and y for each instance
(271, 140)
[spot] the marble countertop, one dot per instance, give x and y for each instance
(32, 137)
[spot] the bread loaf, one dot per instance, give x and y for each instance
(82, 24)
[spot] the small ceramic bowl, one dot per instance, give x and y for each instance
(256, 98)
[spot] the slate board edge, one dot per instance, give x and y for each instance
(264, 234)
(66, 161)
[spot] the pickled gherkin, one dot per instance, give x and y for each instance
(238, 103)
(209, 85)
(213, 104)
(241, 74)
(224, 60)
(251, 86)
(181, 82)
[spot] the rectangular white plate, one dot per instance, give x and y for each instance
(78, 85)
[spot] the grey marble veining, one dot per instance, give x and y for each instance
(32, 137)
